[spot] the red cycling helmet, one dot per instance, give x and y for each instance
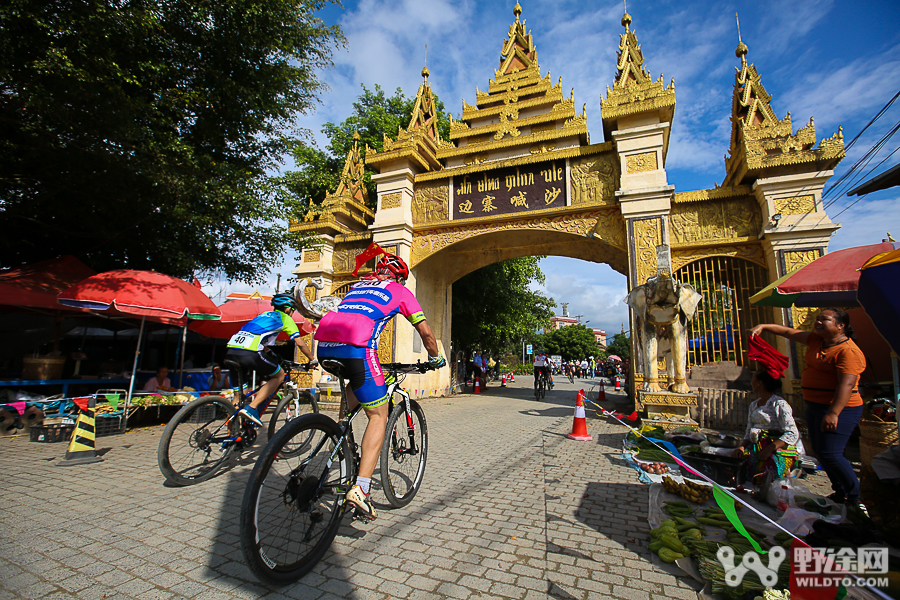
(392, 265)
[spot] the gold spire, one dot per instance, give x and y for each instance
(759, 139)
(425, 72)
(630, 64)
(626, 18)
(518, 52)
(742, 49)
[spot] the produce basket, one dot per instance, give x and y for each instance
(108, 425)
(724, 470)
(869, 448)
(878, 431)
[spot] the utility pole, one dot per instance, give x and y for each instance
(579, 318)
(565, 307)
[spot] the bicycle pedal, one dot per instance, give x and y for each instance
(361, 516)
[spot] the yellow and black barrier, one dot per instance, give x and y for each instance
(82, 450)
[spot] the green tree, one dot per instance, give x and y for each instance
(375, 114)
(138, 133)
(494, 310)
(572, 342)
(620, 346)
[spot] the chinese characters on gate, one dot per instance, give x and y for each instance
(510, 190)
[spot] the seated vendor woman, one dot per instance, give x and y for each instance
(772, 440)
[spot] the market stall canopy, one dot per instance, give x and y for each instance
(236, 313)
(827, 281)
(879, 294)
(37, 285)
(147, 294)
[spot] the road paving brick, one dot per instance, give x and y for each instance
(509, 508)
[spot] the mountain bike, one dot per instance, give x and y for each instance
(540, 385)
(294, 499)
(205, 433)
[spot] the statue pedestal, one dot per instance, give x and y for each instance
(667, 409)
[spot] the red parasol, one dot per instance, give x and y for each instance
(38, 284)
(614, 357)
(831, 280)
(236, 313)
(147, 294)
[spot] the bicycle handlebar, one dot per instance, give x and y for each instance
(419, 366)
(289, 365)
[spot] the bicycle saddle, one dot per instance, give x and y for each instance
(231, 364)
(335, 367)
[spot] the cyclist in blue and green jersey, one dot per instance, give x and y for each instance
(249, 347)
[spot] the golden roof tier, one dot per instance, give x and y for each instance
(759, 140)
(421, 139)
(634, 92)
(346, 210)
(521, 114)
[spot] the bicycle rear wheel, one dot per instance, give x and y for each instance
(543, 387)
(293, 504)
(294, 404)
(192, 446)
(404, 453)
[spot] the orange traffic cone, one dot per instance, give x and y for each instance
(618, 385)
(512, 377)
(601, 394)
(579, 426)
(503, 380)
(476, 389)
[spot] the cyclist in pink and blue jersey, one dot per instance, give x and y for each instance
(350, 335)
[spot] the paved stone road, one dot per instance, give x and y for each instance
(509, 508)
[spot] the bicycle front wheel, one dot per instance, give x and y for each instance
(294, 500)
(294, 404)
(193, 445)
(404, 453)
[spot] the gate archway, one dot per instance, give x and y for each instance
(519, 176)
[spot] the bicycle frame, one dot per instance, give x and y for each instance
(346, 422)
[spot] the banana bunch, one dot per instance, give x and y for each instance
(688, 490)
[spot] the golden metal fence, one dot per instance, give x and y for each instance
(720, 329)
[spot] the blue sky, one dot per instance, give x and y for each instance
(838, 62)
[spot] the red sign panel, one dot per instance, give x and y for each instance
(510, 190)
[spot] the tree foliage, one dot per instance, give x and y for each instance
(493, 309)
(138, 133)
(620, 346)
(571, 342)
(375, 114)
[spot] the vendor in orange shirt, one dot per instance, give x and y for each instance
(830, 381)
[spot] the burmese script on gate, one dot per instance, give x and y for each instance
(510, 190)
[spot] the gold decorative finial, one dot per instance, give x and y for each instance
(742, 48)
(890, 238)
(425, 71)
(517, 10)
(626, 18)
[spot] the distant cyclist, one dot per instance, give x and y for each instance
(542, 365)
(249, 347)
(350, 335)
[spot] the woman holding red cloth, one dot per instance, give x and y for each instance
(834, 364)
(771, 440)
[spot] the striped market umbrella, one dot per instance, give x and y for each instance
(831, 280)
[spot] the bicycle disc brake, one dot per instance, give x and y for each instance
(300, 492)
(200, 438)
